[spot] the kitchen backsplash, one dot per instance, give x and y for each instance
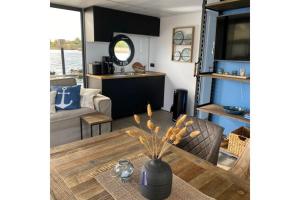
(95, 51)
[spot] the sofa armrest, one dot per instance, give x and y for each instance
(102, 104)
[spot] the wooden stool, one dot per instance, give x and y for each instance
(94, 119)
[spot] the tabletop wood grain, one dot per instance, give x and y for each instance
(95, 118)
(74, 166)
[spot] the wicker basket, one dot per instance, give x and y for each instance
(237, 140)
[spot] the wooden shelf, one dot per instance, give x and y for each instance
(218, 110)
(243, 61)
(226, 77)
(228, 5)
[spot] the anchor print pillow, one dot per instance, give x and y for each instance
(67, 97)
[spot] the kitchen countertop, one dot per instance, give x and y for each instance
(126, 75)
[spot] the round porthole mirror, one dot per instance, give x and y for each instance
(121, 50)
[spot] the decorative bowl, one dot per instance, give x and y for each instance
(235, 110)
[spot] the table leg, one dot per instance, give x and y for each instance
(99, 129)
(91, 130)
(81, 129)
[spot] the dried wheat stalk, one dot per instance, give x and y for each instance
(156, 147)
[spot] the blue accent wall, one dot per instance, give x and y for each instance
(229, 92)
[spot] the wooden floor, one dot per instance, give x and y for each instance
(74, 166)
(160, 117)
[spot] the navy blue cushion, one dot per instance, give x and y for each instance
(67, 97)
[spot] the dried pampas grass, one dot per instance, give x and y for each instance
(131, 133)
(149, 110)
(137, 119)
(189, 123)
(158, 147)
(194, 134)
(180, 120)
(150, 125)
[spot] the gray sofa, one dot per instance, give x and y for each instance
(65, 125)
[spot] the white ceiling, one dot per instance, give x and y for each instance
(158, 8)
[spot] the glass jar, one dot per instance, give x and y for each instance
(123, 170)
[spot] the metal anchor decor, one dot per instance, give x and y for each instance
(62, 104)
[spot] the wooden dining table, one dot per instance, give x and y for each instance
(75, 165)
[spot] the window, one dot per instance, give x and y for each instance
(121, 50)
(66, 44)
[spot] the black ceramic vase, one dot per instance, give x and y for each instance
(156, 180)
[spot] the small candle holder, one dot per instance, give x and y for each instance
(123, 170)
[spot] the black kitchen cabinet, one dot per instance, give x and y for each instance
(101, 23)
(131, 95)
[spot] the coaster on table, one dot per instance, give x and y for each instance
(181, 190)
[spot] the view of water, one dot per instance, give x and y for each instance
(73, 61)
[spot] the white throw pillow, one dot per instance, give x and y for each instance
(52, 102)
(87, 97)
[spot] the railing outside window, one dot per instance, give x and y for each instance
(66, 45)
